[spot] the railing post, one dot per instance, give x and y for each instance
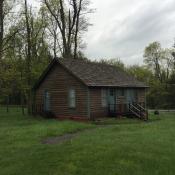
(140, 113)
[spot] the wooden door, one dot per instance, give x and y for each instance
(112, 100)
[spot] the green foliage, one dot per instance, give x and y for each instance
(153, 58)
(114, 62)
(141, 73)
(14, 70)
(161, 62)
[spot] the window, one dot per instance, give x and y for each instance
(46, 100)
(104, 97)
(111, 92)
(120, 92)
(123, 92)
(131, 95)
(72, 99)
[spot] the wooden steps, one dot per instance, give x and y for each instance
(138, 111)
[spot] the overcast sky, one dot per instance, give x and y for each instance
(122, 28)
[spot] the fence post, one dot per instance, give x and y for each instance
(7, 103)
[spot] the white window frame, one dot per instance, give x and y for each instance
(72, 98)
(104, 97)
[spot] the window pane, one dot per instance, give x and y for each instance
(72, 103)
(72, 99)
(72, 93)
(111, 92)
(46, 100)
(120, 92)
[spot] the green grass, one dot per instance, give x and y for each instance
(128, 147)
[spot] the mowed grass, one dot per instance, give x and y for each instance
(127, 147)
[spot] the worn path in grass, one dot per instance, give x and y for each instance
(66, 137)
(69, 136)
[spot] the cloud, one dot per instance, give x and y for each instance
(123, 29)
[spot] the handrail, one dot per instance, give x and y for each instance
(135, 107)
(135, 113)
(141, 107)
(138, 112)
(145, 111)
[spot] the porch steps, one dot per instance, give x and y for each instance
(138, 111)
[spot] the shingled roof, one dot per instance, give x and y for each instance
(95, 74)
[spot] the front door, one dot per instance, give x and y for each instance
(112, 100)
(131, 96)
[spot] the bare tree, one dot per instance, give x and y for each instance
(173, 54)
(52, 35)
(34, 31)
(6, 7)
(1, 27)
(27, 14)
(70, 17)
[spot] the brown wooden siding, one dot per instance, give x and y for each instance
(57, 83)
(141, 96)
(121, 104)
(96, 109)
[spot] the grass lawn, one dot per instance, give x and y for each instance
(127, 147)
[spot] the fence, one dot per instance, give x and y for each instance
(10, 108)
(163, 110)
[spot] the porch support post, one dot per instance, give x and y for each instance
(145, 99)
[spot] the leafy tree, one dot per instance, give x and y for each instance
(161, 61)
(153, 58)
(114, 62)
(141, 73)
(26, 56)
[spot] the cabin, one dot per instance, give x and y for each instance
(81, 89)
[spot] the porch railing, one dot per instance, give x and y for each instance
(130, 108)
(138, 111)
(37, 109)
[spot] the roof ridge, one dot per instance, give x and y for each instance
(92, 62)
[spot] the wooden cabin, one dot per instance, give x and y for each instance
(75, 88)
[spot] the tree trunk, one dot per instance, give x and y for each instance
(1, 28)
(28, 61)
(63, 31)
(55, 44)
(77, 30)
(22, 103)
(7, 103)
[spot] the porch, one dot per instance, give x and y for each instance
(126, 102)
(131, 110)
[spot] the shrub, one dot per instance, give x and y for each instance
(156, 112)
(48, 114)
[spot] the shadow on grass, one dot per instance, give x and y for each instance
(116, 121)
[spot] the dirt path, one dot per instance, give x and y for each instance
(66, 137)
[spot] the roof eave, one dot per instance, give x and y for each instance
(44, 74)
(118, 86)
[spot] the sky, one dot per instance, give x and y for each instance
(123, 28)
